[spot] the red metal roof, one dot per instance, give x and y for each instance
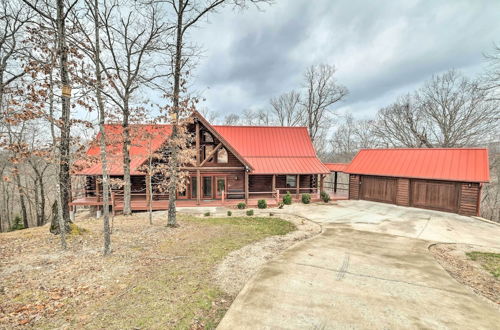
(145, 139)
(274, 149)
(466, 165)
(267, 149)
(336, 167)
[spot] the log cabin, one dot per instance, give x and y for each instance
(233, 164)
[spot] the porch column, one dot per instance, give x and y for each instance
(335, 183)
(97, 190)
(322, 182)
(274, 183)
(246, 186)
(198, 187)
(298, 185)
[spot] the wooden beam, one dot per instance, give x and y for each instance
(298, 185)
(212, 153)
(197, 143)
(321, 182)
(335, 183)
(212, 168)
(274, 183)
(246, 187)
(198, 187)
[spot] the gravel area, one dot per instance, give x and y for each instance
(240, 265)
(466, 271)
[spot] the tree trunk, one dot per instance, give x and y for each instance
(64, 146)
(104, 162)
(24, 213)
(173, 164)
(126, 161)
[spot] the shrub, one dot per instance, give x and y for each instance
(229, 213)
(287, 199)
(325, 197)
(262, 204)
(18, 223)
(207, 214)
(249, 213)
(306, 198)
(280, 205)
(271, 214)
(241, 205)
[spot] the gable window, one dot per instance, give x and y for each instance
(222, 156)
(207, 137)
(291, 181)
(208, 149)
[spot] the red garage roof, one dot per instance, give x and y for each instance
(336, 167)
(274, 149)
(145, 139)
(466, 165)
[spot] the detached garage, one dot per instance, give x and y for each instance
(439, 179)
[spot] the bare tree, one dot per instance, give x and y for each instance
(321, 93)
(187, 15)
(288, 110)
(232, 119)
(491, 77)
(401, 125)
(134, 38)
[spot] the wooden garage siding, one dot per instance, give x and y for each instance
(469, 197)
(403, 192)
(353, 186)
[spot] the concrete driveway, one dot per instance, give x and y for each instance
(370, 268)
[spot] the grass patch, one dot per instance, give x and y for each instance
(489, 261)
(177, 291)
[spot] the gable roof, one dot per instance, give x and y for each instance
(452, 164)
(145, 139)
(274, 149)
(263, 149)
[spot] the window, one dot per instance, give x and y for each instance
(207, 187)
(208, 149)
(207, 137)
(291, 181)
(222, 156)
(194, 187)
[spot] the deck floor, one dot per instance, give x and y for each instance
(140, 204)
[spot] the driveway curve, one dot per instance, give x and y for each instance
(370, 268)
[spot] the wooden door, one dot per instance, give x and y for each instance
(378, 189)
(436, 195)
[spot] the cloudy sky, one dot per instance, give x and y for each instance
(381, 49)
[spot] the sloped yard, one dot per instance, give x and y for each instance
(157, 277)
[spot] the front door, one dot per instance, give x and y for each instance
(207, 189)
(221, 186)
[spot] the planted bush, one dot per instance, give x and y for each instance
(287, 199)
(249, 213)
(325, 197)
(241, 205)
(229, 213)
(280, 205)
(262, 204)
(306, 198)
(207, 214)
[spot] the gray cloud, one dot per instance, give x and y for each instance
(380, 48)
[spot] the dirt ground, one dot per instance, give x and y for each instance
(156, 277)
(240, 265)
(453, 258)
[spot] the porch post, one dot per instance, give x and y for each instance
(321, 182)
(198, 187)
(246, 186)
(298, 185)
(97, 190)
(335, 183)
(274, 183)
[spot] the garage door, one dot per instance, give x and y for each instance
(437, 195)
(378, 189)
